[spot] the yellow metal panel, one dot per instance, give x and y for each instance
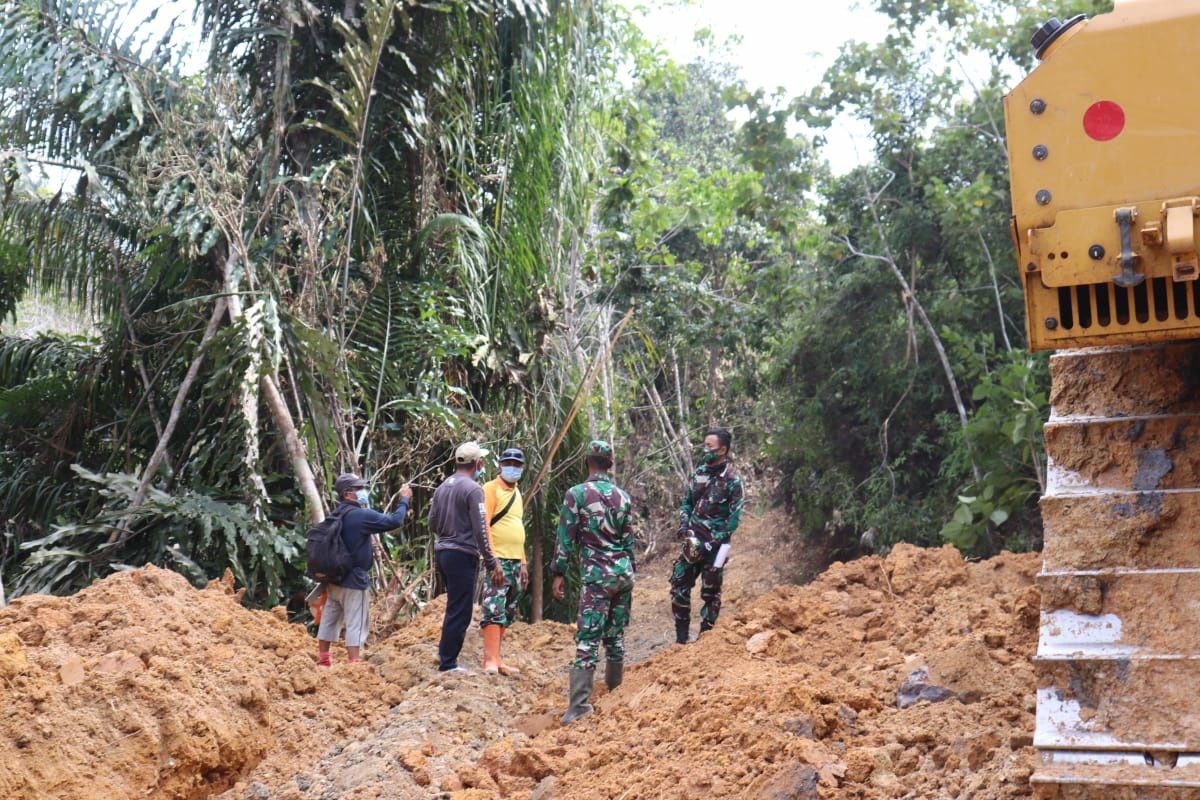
(1147, 66)
(1061, 250)
(1066, 184)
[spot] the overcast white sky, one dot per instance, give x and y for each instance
(784, 44)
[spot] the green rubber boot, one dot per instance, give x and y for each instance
(614, 673)
(578, 693)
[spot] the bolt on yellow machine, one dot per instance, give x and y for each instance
(1104, 152)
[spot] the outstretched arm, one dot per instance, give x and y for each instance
(376, 522)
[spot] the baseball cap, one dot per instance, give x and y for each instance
(347, 480)
(599, 447)
(513, 454)
(469, 452)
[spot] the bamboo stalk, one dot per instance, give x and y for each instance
(669, 436)
(537, 589)
(681, 430)
(580, 397)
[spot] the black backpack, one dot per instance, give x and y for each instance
(328, 559)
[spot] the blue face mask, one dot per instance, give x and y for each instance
(364, 499)
(478, 474)
(511, 474)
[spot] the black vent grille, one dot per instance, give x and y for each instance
(1106, 305)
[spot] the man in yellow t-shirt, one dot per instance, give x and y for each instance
(506, 528)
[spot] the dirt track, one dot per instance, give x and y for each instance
(144, 687)
(767, 554)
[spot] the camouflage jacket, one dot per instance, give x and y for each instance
(596, 518)
(712, 514)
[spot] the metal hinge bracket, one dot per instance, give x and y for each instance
(1129, 260)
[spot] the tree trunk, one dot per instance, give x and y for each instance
(280, 413)
(295, 448)
(670, 436)
(607, 384)
(536, 568)
(581, 363)
(580, 397)
(141, 362)
(911, 297)
(681, 429)
(951, 381)
(714, 361)
(987, 253)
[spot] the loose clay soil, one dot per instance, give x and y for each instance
(142, 686)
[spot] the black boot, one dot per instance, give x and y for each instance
(614, 673)
(578, 692)
(705, 625)
(681, 631)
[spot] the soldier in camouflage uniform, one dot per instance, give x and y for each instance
(711, 510)
(597, 520)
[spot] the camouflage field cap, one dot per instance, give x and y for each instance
(600, 448)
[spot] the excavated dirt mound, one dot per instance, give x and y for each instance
(142, 686)
(796, 695)
(426, 744)
(431, 743)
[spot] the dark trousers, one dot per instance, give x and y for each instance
(458, 571)
(683, 578)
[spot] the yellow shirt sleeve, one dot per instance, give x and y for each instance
(489, 507)
(489, 499)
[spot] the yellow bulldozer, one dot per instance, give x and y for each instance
(1104, 153)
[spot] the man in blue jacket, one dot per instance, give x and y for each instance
(349, 603)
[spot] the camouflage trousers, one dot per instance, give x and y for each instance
(500, 602)
(683, 578)
(603, 615)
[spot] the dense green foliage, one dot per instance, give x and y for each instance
(862, 333)
(369, 230)
(335, 249)
(917, 250)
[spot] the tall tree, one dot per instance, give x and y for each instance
(334, 249)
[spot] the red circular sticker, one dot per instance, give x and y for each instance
(1104, 120)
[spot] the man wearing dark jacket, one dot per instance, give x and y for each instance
(349, 602)
(458, 517)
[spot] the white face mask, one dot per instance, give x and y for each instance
(511, 474)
